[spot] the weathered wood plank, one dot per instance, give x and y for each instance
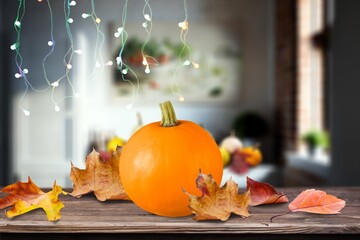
(87, 215)
(163, 236)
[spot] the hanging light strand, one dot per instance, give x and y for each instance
(184, 53)
(18, 58)
(21, 72)
(51, 43)
(148, 26)
(67, 59)
(100, 39)
(184, 26)
(70, 53)
(121, 66)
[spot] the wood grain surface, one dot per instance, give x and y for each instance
(86, 216)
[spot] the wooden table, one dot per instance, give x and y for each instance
(89, 219)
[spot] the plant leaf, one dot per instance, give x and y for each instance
(26, 197)
(263, 193)
(316, 201)
(218, 203)
(100, 176)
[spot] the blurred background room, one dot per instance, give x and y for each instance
(280, 75)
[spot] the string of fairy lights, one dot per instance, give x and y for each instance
(185, 50)
(147, 25)
(120, 64)
(125, 69)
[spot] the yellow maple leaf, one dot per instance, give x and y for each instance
(218, 203)
(26, 197)
(100, 176)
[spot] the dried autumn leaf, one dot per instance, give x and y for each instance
(27, 196)
(263, 193)
(218, 203)
(101, 176)
(316, 201)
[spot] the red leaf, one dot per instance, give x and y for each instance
(263, 193)
(316, 201)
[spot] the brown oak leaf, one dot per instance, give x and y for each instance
(101, 176)
(26, 196)
(218, 203)
(316, 201)
(263, 193)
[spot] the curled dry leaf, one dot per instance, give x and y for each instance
(101, 176)
(25, 197)
(316, 201)
(218, 203)
(263, 193)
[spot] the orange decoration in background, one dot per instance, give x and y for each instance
(252, 155)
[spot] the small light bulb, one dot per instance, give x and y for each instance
(147, 69)
(26, 71)
(129, 106)
(78, 51)
(85, 15)
(187, 63)
(144, 61)
(13, 47)
(55, 84)
(117, 34)
(69, 66)
(26, 112)
(109, 63)
(147, 17)
(70, 20)
(17, 23)
(196, 65)
(144, 25)
(39, 1)
(97, 20)
(57, 108)
(181, 98)
(183, 25)
(124, 71)
(72, 3)
(17, 75)
(97, 64)
(120, 29)
(50, 43)
(118, 60)
(77, 95)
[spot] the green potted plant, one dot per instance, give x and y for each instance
(315, 139)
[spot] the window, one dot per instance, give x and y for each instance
(310, 50)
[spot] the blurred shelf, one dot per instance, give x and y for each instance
(263, 173)
(318, 164)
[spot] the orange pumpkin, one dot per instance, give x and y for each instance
(163, 158)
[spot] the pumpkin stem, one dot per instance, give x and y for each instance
(168, 116)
